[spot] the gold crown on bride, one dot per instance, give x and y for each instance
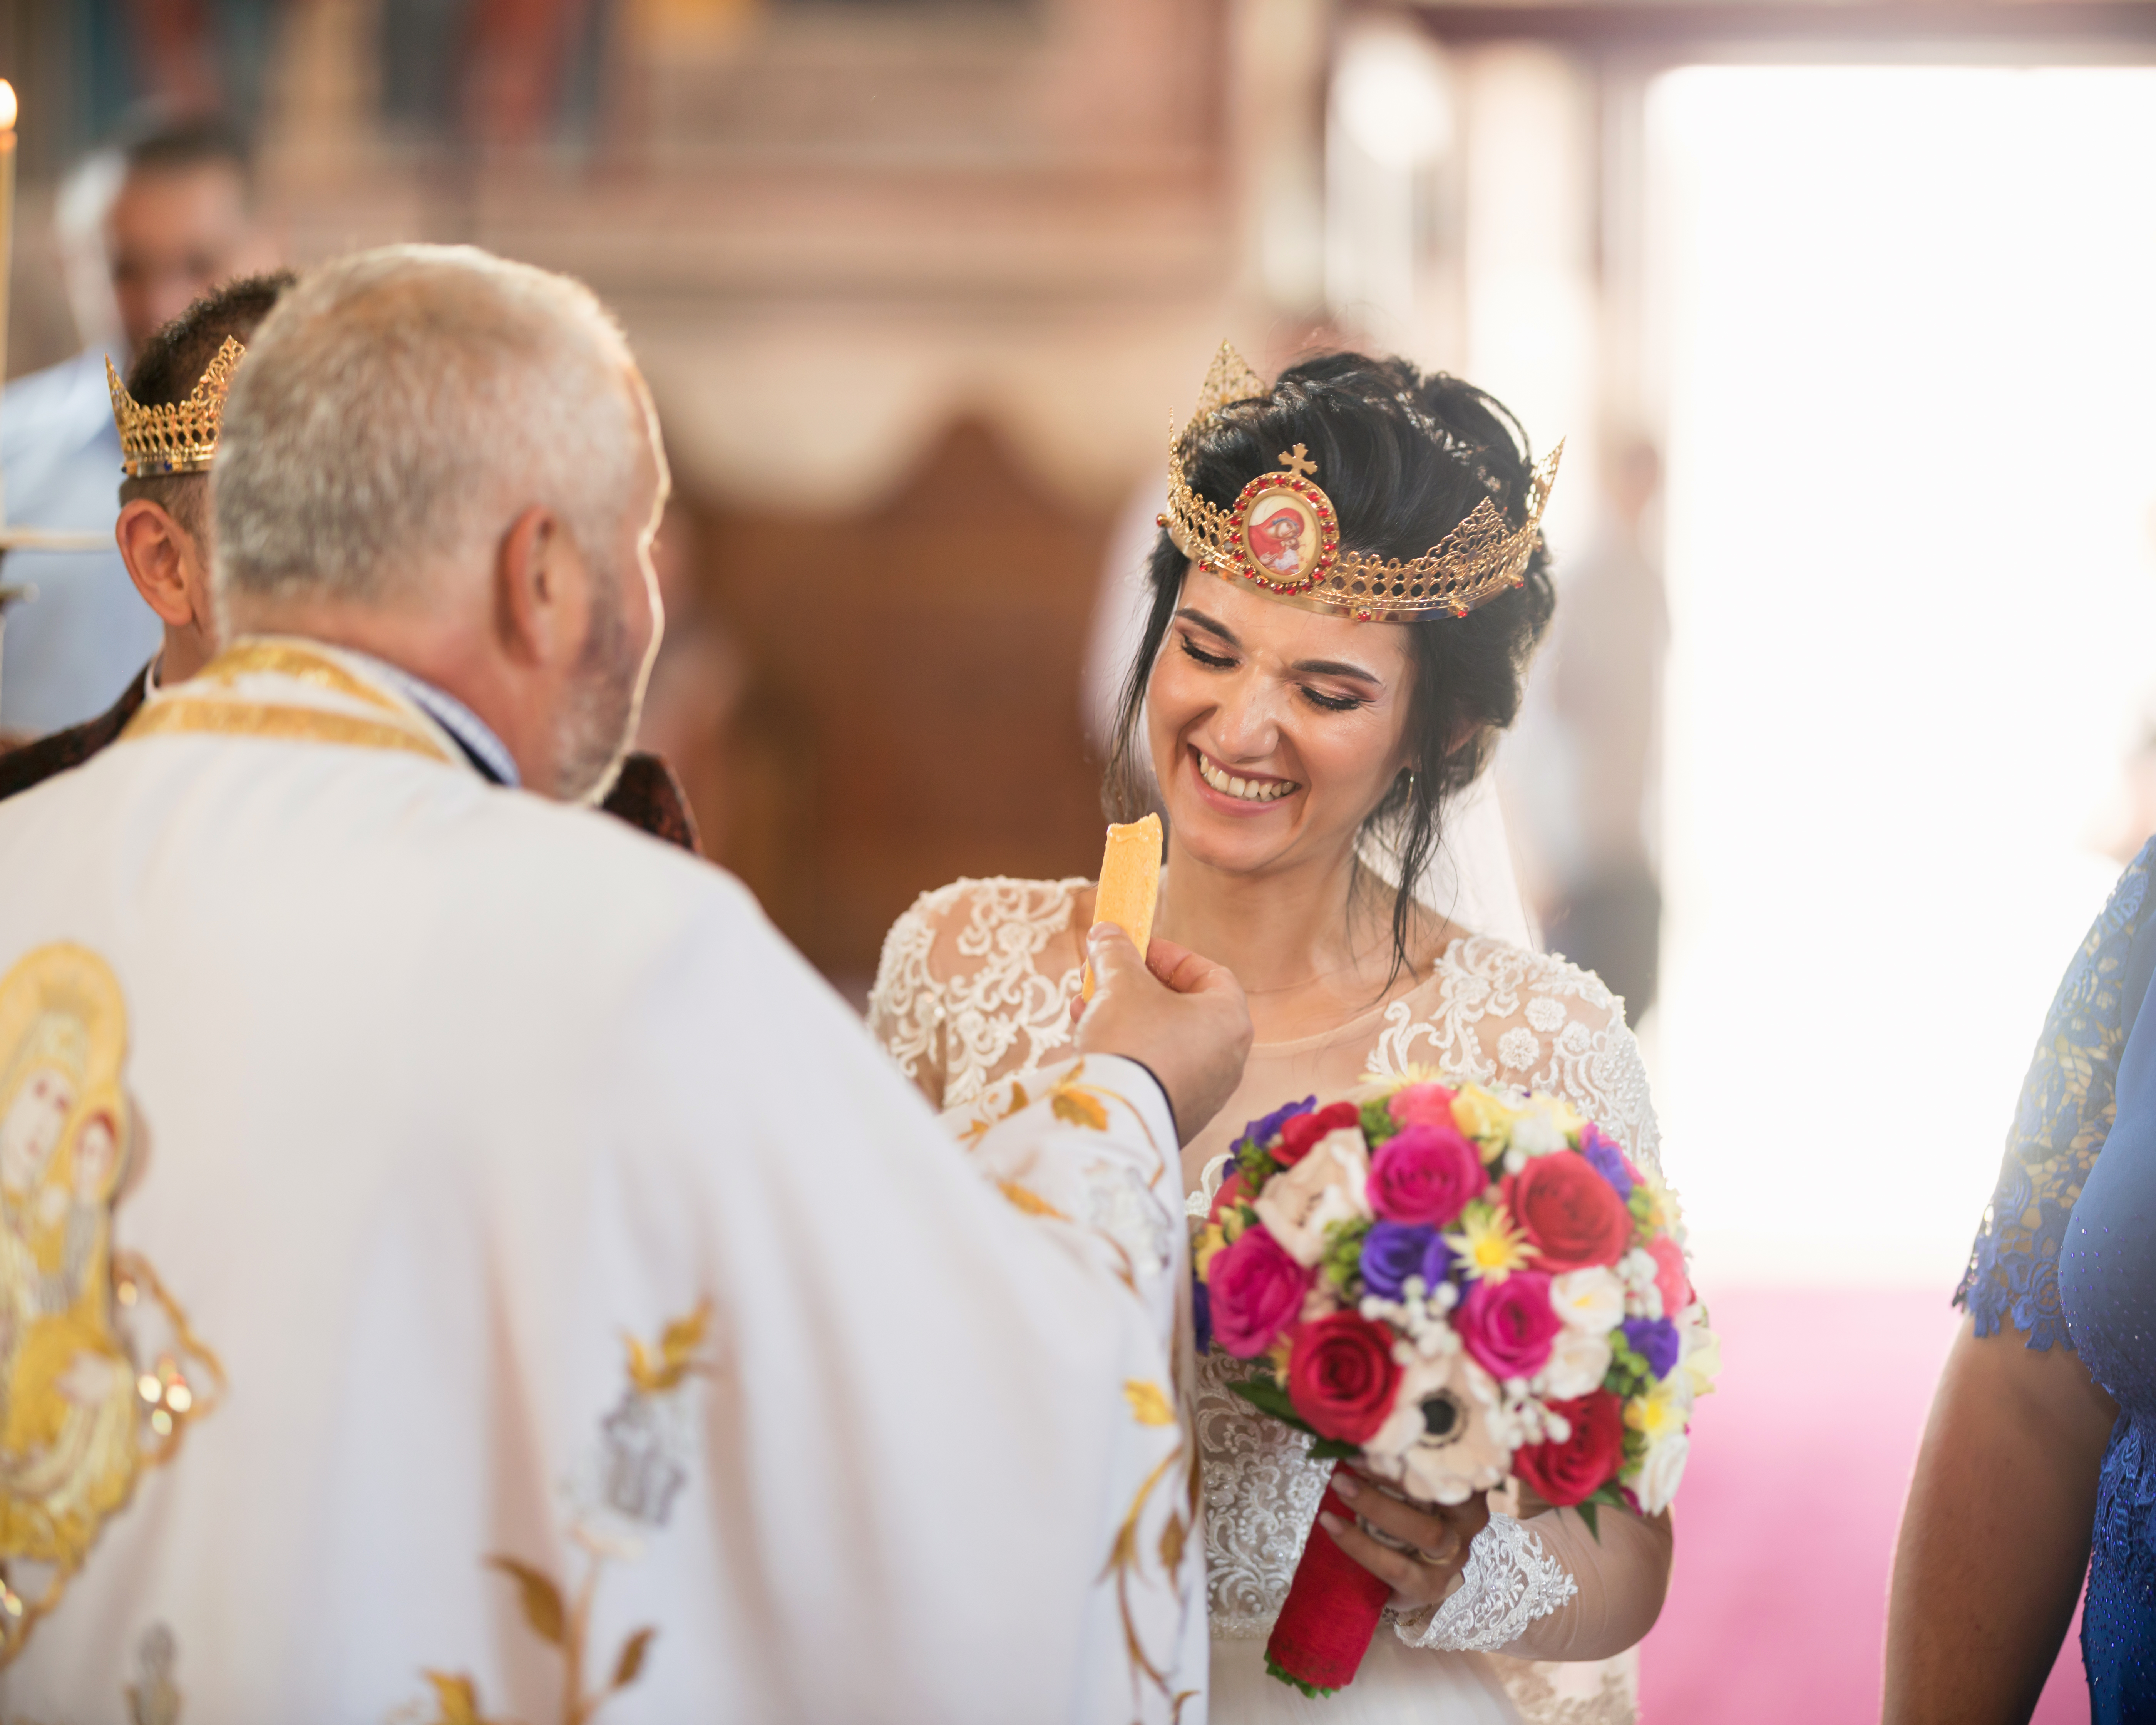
(178, 439)
(1282, 534)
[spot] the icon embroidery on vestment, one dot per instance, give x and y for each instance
(99, 1375)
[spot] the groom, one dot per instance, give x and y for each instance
(523, 1284)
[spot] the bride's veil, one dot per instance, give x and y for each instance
(1472, 881)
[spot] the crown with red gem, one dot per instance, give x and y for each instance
(1282, 534)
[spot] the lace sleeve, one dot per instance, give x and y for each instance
(975, 983)
(1507, 1015)
(1507, 1583)
(905, 1006)
(2060, 1126)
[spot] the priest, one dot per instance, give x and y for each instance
(166, 417)
(456, 1262)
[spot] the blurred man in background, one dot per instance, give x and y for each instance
(178, 217)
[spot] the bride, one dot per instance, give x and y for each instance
(1309, 731)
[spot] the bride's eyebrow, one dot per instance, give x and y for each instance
(1337, 668)
(1306, 667)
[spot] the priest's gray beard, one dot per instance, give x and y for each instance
(599, 718)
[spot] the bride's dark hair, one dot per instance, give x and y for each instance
(1404, 455)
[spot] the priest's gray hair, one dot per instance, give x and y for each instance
(401, 407)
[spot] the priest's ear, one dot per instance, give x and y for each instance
(166, 558)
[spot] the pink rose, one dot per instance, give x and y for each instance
(1670, 1275)
(1508, 1326)
(1425, 1174)
(1422, 1105)
(1253, 1291)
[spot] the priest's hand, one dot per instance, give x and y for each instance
(1436, 1538)
(1181, 1016)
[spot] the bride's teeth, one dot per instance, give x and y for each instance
(1250, 790)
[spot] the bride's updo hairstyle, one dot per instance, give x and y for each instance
(1405, 456)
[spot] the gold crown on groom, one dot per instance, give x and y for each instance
(178, 439)
(1282, 535)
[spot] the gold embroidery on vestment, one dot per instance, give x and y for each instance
(260, 655)
(177, 715)
(88, 1399)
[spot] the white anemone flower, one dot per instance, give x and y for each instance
(1662, 1470)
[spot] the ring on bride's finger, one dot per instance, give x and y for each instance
(1421, 1556)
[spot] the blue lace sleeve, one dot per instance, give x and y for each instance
(2064, 1116)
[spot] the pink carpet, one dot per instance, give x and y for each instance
(1777, 1610)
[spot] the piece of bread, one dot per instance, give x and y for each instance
(1130, 884)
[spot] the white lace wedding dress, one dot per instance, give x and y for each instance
(976, 983)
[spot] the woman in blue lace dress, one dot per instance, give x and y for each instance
(2039, 1461)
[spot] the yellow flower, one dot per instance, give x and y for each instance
(1484, 1119)
(1488, 1244)
(1276, 1357)
(1660, 1413)
(1210, 1242)
(1232, 1222)
(1662, 1207)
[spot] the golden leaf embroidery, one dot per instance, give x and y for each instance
(1017, 1102)
(1171, 1543)
(541, 1599)
(676, 1357)
(456, 1697)
(1148, 1405)
(1079, 1107)
(630, 1664)
(1032, 1203)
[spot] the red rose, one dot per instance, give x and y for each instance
(1569, 1214)
(1231, 1194)
(1425, 1175)
(1304, 1130)
(1341, 1376)
(1253, 1292)
(1571, 1471)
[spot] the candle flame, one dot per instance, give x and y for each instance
(7, 106)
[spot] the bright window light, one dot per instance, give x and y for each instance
(1907, 316)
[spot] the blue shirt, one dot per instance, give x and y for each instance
(66, 655)
(2067, 1256)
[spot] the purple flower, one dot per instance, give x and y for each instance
(1654, 1340)
(1394, 1252)
(1260, 1131)
(1606, 1159)
(1201, 1314)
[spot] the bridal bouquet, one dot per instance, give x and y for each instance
(1452, 1287)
